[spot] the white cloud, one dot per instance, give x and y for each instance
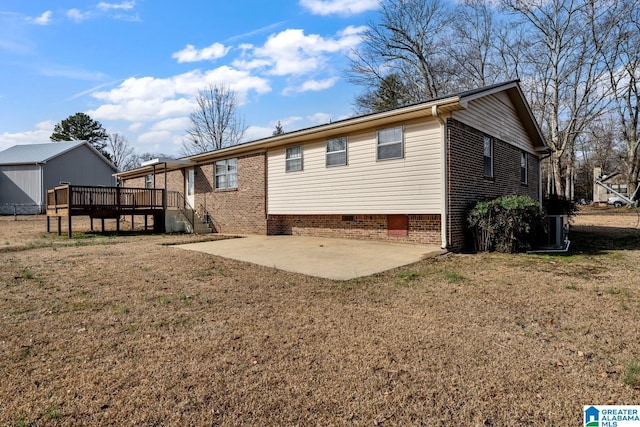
(209, 53)
(103, 8)
(77, 16)
(149, 98)
(291, 52)
(39, 135)
(339, 7)
(157, 137)
(312, 85)
(175, 124)
(125, 5)
(319, 118)
(254, 133)
(135, 127)
(44, 19)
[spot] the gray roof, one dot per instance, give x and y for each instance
(39, 153)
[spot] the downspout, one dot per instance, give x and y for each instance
(443, 196)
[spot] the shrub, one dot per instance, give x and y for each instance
(506, 224)
(558, 205)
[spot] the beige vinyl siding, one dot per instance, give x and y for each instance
(496, 116)
(364, 186)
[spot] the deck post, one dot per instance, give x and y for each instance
(132, 227)
(91, 222)
(48, 226)
(59, 225)
(102, 220)
(70, 231)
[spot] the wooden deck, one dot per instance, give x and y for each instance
(105, 202)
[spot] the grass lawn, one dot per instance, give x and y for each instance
(106, 330)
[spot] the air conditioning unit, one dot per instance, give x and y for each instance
(557, 231)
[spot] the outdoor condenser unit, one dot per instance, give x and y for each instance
(558, 231)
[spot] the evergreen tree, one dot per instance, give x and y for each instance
(279, 130)
(81, 127)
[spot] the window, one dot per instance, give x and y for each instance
(620, 188)
(488, 157)
(390, 143)
(226, 174)
(523, 167)
(148, 181)
(294, 159)
(337, 151)
(191, 174)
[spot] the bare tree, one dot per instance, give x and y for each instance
(598, 146)
(622, 58)
(476, 46)
(121, 152)
(408, 42)
(565, 73)
(215, 122)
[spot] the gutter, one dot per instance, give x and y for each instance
(444, 196)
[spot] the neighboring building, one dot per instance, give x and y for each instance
(27, 171)
(406, 175)
(617, 182)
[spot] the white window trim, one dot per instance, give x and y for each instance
(345, 151)
(148, 181)
(287, 160)
(225, 174)
(378, 144)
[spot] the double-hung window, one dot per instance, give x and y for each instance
(390, 143)
(148, 181)
(226, 174)
(337, 151)
(293, 158)
(488, 157)
(523, 167)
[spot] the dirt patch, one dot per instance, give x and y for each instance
(111, 330)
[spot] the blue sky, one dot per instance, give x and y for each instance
(135, 65)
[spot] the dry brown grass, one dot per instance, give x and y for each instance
(129, 331)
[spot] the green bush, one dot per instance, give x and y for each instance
(507, 224)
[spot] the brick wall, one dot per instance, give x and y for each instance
(424, 229)
(241, 210)
(467, 184)
(134, 182)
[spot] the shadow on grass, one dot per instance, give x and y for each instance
(596, 240)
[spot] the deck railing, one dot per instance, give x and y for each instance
(91, 198)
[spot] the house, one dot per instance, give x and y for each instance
(406, 175)
(27, 171)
